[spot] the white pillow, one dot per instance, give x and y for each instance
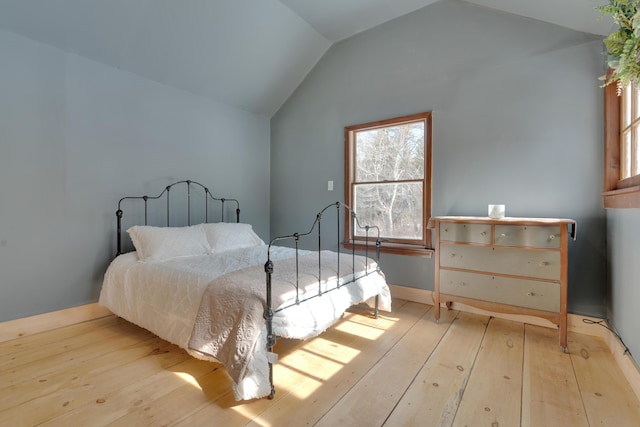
(162, 243)
(225, 236)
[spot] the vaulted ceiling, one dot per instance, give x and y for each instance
(249, 54)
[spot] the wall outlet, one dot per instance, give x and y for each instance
(330, 185)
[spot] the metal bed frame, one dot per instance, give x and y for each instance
(269, 311)
(167, 191)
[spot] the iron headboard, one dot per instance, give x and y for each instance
(167, 191)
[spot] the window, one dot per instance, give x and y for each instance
(629, 129)
(388, 182)
(622, 148)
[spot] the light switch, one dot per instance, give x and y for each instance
(330, 185)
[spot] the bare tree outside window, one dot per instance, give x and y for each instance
(388, 177)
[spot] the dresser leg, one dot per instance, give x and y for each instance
(562, 329)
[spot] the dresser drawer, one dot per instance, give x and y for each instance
(541, 264)
(505, 290)
(466, 233)
(535, 236)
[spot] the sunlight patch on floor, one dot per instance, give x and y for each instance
(314, 354)
(341, 357)
(325, 365)
(367, 332)
(188, 379)
(384, 320)
(363, 330)
(331, 349)
(249, 414)
(311, 383)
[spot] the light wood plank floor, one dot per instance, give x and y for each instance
(401, 369)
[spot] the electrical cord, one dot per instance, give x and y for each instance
(602, 323)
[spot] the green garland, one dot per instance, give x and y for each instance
(623, 46)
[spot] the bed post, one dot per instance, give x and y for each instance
(119, 215)
(354, 219)
(268, 315)
(376, 311)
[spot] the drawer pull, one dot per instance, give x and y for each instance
(484, 233)
(551, 237)
(531, 294)
(544, 263)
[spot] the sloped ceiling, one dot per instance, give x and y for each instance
(339, 19)
(249, 54)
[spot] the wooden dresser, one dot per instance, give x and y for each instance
(507, 265)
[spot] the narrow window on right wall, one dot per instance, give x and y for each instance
(629, 129)
(622, 147)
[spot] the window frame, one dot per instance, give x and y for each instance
(618, 193)
(423, 247)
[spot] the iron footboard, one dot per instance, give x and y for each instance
(269, 269)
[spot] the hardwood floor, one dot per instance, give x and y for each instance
(402, 369)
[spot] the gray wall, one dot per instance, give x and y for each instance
(623, 240)
(517, 113)
(75, 136)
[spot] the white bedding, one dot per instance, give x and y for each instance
(164, 298)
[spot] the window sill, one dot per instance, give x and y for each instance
(622, 198)
(391, 248)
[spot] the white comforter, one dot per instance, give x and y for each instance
(164, 297)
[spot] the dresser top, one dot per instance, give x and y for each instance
(505, 220)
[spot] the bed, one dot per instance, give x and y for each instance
(217, 290)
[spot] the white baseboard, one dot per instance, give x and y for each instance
(45, 322)
(575, 324)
